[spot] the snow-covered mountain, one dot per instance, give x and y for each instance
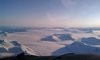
(58, 37)
(82, 46)
(9, 48)
(13, 48)
(78, 48)
(46, 42)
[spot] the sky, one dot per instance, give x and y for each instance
(50, 13)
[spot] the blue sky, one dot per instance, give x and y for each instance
(50, 13)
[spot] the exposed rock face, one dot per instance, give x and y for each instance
(1, 41)
(15, 43)
(2, 50)
(16, 50)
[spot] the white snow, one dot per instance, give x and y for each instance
(46, 42)
(78, 48)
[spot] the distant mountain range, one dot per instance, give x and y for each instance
(64, 41)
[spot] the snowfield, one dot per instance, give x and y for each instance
(57, 41)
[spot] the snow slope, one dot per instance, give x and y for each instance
(91, 41)
(78, 48)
